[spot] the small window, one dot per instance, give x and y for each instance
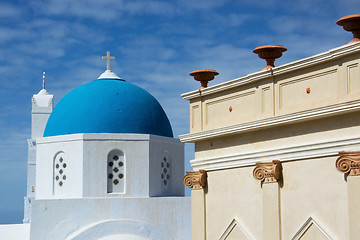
(165, 172)
(116, 172)
(59, 173)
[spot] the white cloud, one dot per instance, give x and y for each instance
(106, 10)
(10, 145)
(203, 4)
(8, 34)
(8, 11)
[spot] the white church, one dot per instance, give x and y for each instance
(103, 164)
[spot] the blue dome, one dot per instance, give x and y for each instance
(108, 106)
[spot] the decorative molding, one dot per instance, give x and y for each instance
(195, 179)
(309, 222)
(349, 162)
(269, 172)
(233, 224)
(310, 150)
(292, 66)
(320, 112)
(105, 137)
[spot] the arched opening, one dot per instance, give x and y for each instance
(59, 173)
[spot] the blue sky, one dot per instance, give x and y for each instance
(156, 44)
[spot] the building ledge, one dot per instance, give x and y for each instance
(311, 114)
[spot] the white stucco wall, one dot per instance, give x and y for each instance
(47, 148)
(15, 232)
(86, 165)
(158, 218)
(84, 209)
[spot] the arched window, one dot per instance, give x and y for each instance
(116, 172)
(59, 173)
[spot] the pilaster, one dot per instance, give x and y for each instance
(349, 164)
(197, 180)
(269, 173)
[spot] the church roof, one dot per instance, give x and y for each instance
(108, 105)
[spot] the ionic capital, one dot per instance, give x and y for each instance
(195, 179)
(349, 162)
(268, 172)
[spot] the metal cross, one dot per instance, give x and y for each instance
(43, 80)
(108, 58)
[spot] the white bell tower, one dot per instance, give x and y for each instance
(42, 106)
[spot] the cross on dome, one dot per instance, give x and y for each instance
(108, 74)
(108, 58)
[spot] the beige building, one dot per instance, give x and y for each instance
(276, 152)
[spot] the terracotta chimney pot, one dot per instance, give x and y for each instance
(351, 23)
(269, 53)
(204, 76)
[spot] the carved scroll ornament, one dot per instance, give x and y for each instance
(268, 171)
(195, 179)
(349, 162)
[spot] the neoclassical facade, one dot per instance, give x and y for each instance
(277, 151)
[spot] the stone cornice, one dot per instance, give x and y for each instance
(349, 162)
(195, 179)
(310, 150)
(320, 112)
(268, 172)
(292, 66)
